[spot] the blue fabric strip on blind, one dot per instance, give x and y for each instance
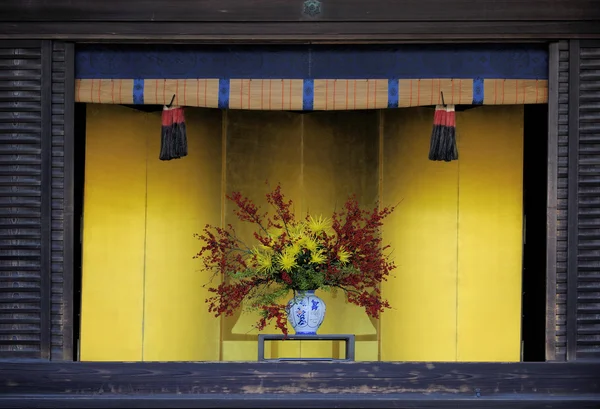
(312, 62)
(138, 91)
(478, 91)
(223, 93)
(393, 93)
(308, 95)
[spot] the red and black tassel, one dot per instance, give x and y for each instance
(173, 134)
(443, 136)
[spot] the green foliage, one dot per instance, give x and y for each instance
(307, 277)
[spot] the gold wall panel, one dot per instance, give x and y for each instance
(489, 235)
(142, 292)
(341, 158)
(456, 234)
(183, 196)
(457, 238)
(320, 159)
(421, 326)
(114, 219)
(260, 147)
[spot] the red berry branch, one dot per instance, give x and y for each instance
(344, 252)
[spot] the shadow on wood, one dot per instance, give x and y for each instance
(300, 384)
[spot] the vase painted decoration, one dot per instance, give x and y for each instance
(305, 313)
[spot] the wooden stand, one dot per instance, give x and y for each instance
(280, 337)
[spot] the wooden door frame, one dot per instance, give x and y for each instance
(418, 385)
(551, 210)
(287, 21)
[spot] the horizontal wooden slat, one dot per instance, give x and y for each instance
(588, 255)
(559, 309)
(19, 74)
(20, 200)
(60, 315)
(301, 32)
(31, 51)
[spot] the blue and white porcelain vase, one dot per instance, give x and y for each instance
(305, 313)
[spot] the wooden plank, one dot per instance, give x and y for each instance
(58, 103)
(30, 45)
(300, 384)
(588, 285)
(69, 204)
(293, 10)
(298, 401)
(562, 233)
(46, 200)
(20, 281)
(573, 200)
(294, 32)
(590, 43)
(446, 378)
(552, 202)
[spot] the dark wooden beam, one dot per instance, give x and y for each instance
(300, 384)
(301, 32)
(292, 10)
(284, 20)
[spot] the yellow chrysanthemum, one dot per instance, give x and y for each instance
(317, 257)
(264, 260)
(287, 260)
(319, 225)
(344, 255)
(308, 243)
(265, 263)
(297, 230)
(294, 249)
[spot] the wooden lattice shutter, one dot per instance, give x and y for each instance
(24, 201)
(32, 222)
(63, 98)
(558, 150)
(583, 296)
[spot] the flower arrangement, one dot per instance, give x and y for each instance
(344, 252)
